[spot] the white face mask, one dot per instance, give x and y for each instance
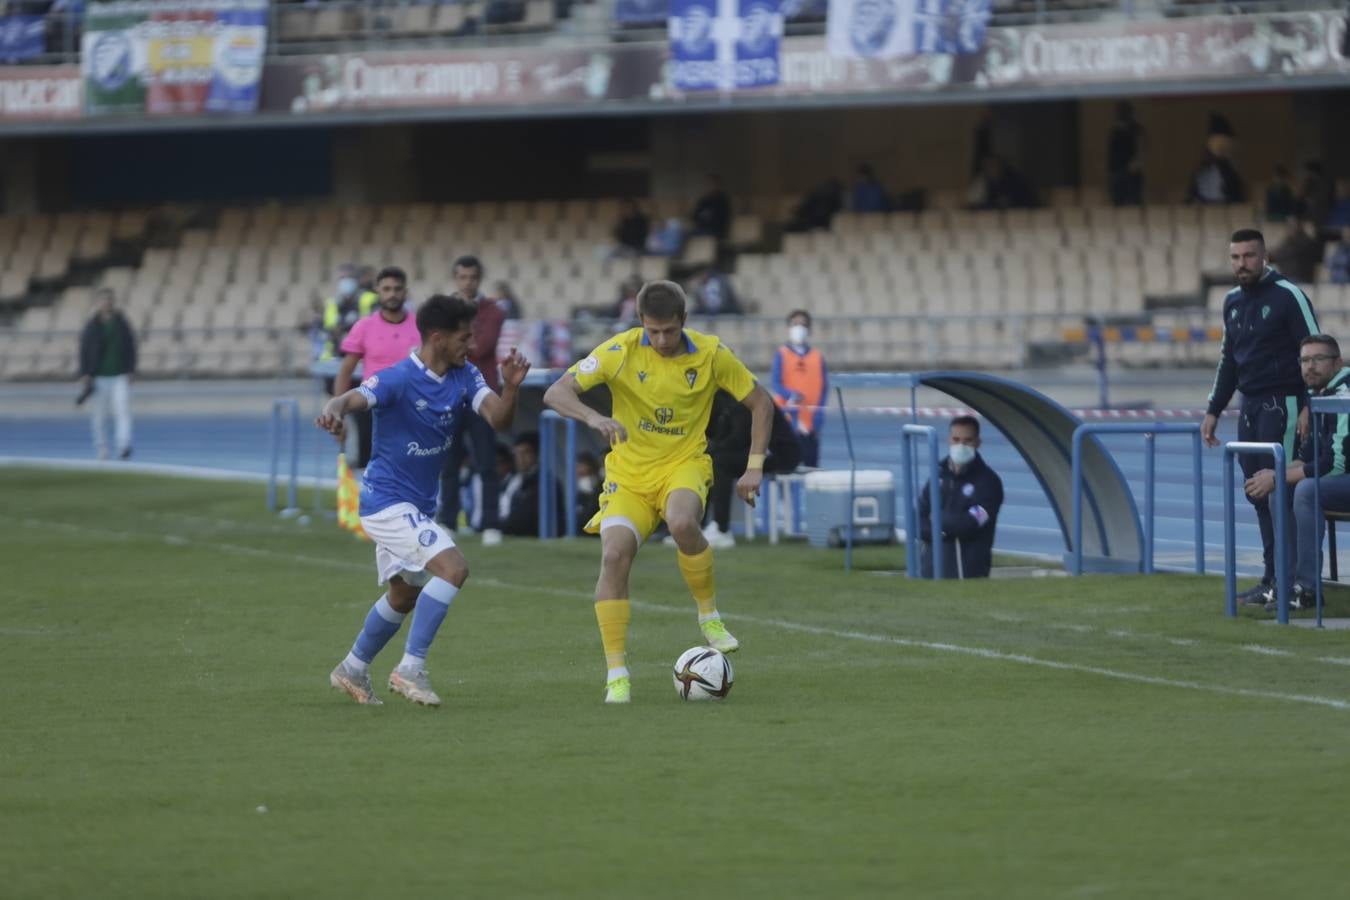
(586, 483)
(797, 334)
(346, 286)
(961, 454)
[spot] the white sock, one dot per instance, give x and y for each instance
(356, 664)
(412, 663)
(709, 617)
(620, 672)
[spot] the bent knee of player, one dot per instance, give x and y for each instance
(402, 596)
(616, 558)
(684, 525)
(451, 566)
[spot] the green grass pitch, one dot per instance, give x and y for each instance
(167, 729)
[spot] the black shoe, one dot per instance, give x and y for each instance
(1258, 595)
(1299, 598)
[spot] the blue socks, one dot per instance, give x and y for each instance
(432, 605)
(382, 623)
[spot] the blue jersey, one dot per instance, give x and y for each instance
(416, 414)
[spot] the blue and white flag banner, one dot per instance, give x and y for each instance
(22, 37)
(724, 45)
(882, 29)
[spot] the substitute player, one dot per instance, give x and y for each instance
(418, 405)
(662, 378)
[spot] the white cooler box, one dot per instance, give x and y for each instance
(827, 512)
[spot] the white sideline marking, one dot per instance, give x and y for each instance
(142, 468)
(1265, 651)
(939, 646)
(1334, 660)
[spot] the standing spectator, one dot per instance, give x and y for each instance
(729, 446)
(1265, 318)
(1298, 253)
(970, 494)
(630, 235)
(1338, 259)
(1280, 200)
(348, 305)
(868, 194)
(107, 364)
(799, 384)
(982, 143)
(365, 279)
(1325, 375)
(475, 432)
(507, 301)
(713, 295)
(1124, 165)
(712, 212)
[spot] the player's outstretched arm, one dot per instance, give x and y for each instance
(342, 381)
(564, 398)
(500, 410)
(761, 425)
(330, 419)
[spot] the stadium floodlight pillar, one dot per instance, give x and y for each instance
(1150, 431)
(280, 405)
(912, 491)
(548, 478)
(1249, 448)
(1321, 406)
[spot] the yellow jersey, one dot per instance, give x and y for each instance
(663, 402)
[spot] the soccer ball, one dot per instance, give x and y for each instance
(702, 673)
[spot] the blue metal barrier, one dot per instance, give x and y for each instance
(279, 404)
(852, 480)
(1250, 448)
(548, 489)
(912, 491)
(1321, 406)
(1149, 430)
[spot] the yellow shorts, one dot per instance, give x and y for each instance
(640, 504)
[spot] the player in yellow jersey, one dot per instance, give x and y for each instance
(662, 377)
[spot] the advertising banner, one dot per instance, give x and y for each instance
(22, 37)
(174, 58)
(40, 93)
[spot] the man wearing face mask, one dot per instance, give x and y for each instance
(970, 494)
(799, 384)
(344, 309)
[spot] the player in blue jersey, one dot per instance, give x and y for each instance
(418, 405)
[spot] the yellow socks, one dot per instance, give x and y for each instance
(613, 616)
(698, 574)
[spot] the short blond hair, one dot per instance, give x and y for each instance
(662, 301)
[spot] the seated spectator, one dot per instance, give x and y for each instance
(712, 212)
(589, 483)
(1339, 215)
(625, 308)
(712, 295)
(666, 240)
(1297, 255)
(519, 501)
(818, 207)
(999, 186)
(630, 234)
(868, 194)
(1280, 200)
(507, 300)
(1338, 259)
(1215, 180)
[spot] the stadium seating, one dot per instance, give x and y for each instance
(943, 287)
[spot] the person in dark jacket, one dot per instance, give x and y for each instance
(1264, 319)
(1326, 376)
(971, 495)
(729, 446)
(519, 503)
(107, 364)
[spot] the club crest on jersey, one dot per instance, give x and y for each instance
(691, 375)
(427, 538)
(663, 415)
(420, 404)
(588, 365)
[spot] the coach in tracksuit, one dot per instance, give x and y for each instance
(1326, 376)
(1264, 319)
(970, 494)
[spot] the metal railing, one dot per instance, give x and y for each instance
(1232, 450)
(912, 492)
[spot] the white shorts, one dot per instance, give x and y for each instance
(405, 541)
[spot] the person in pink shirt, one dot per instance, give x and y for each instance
(383, 338)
